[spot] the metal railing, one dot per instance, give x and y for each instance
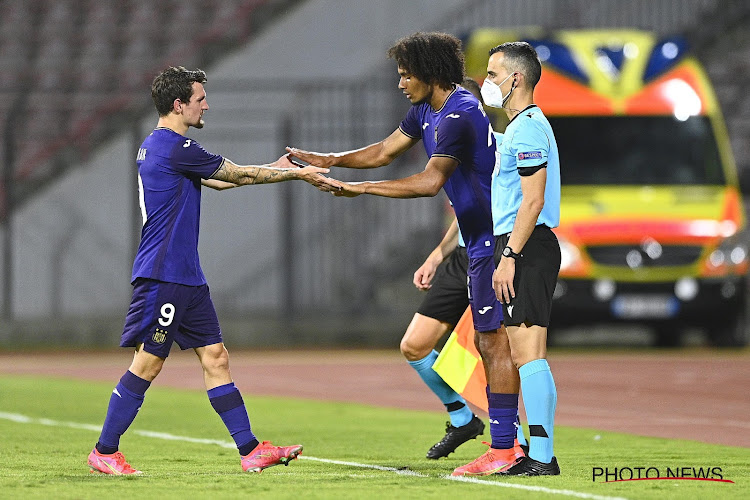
(333, 253)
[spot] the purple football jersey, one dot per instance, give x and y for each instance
(461, 130)
(170, 169)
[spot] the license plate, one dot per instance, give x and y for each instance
(645, 306)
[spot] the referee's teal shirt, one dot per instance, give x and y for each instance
(528, 141)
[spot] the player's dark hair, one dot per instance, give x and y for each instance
(174, 83)
(434, 58)
(472, 86)
(521, 57)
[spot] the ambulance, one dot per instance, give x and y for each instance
(652, 219)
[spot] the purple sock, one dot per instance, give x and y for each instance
(126, 400)
(503, 409)
(227, 401)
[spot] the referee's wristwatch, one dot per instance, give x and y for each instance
(508, 252)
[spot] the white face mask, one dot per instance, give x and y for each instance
(492, 94)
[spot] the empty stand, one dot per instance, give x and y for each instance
(78, 63)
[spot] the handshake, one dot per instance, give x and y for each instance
(313, 166)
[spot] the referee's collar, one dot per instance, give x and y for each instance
(522, 112)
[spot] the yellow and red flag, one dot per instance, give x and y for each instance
(460, 364)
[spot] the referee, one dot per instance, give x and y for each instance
(525, 206)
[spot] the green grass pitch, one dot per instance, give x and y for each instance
(351, 451)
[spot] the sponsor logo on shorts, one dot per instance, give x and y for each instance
(484, 309)
(510, 311)
(160, 336)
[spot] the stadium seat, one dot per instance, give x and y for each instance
(83, 54)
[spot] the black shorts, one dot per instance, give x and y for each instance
(535, 279)
(448, 297)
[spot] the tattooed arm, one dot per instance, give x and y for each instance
(280, 170)
(217, 184)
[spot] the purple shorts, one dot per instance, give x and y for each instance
(486, 311)
(161, 313)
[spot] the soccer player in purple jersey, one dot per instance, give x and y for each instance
(458, 138)
(171, 300)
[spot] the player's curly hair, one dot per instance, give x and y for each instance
(434, 58)
(174, 83)
(521, 57)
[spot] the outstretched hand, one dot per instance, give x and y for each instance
(310, 174)
(349, 189)
(317, 159)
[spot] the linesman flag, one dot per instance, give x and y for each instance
(460, 364)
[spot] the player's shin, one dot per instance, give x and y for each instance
(503, 410)
(460, 414)
(127, 398)
(540, 401)
(228, 403)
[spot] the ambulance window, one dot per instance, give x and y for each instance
(637, 150)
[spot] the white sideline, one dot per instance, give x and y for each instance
(23, 419)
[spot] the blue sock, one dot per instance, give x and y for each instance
(519, 432)
(124, 403)
(519, 428)
(227, 401)
(540, 400)
(460, 414)
(503, 409)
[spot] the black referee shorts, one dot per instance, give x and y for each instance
(535, 279)
(448, 297)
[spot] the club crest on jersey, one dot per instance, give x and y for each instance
(530, 155)
(160, 336)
